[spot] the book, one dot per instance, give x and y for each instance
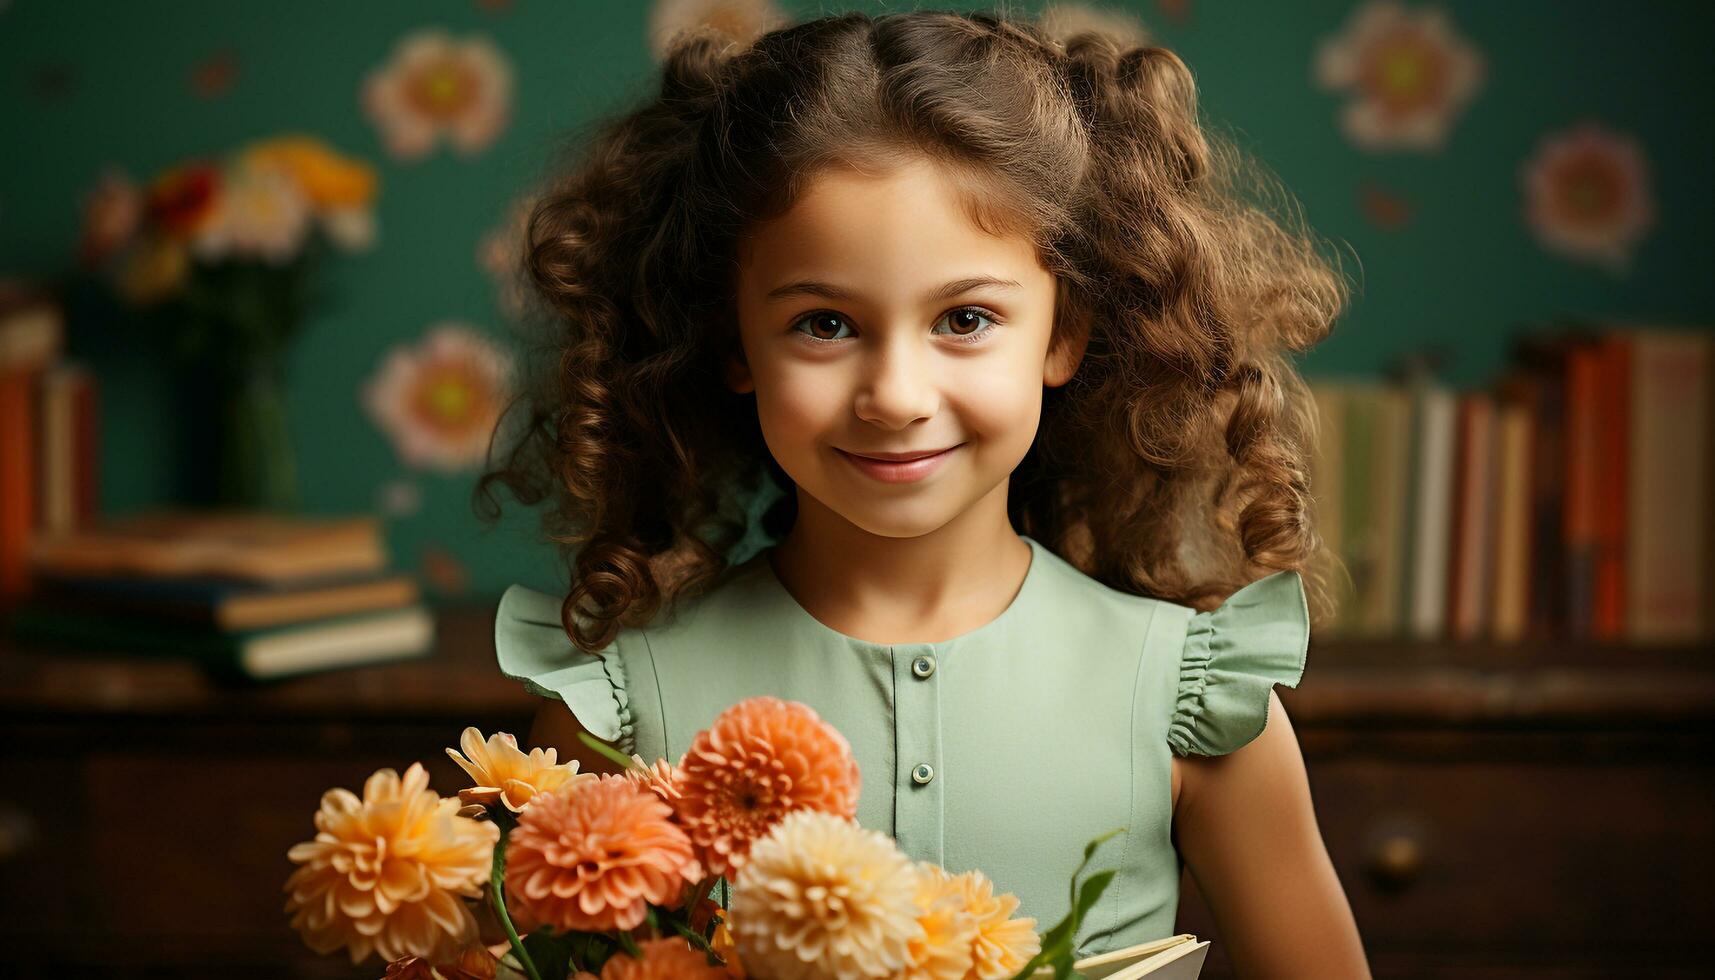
(1667, 502)
(67, 449)
(267, 654)
(226, 604)
(1174, 958)
(250, 546)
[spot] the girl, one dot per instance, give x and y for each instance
(982, 308)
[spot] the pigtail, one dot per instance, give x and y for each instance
(611, 409)
(1212, 291)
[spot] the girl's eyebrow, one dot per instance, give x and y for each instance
(816, 287)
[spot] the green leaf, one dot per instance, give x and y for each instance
(1059, 943)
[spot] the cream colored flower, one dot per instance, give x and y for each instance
(1409, 74)
(1004, 944)
(504, 773)
(434, 84)
(261, 212)
(743, 21)
(822, 897)
(389, 873)
(945, 950)
(439, 401)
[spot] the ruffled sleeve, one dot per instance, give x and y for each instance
(1232, 658)
(533, 647)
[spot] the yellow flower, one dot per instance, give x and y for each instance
(1003, 944)
(331, 182)
(504, 774)
(945, 951)
(153, 270)
(387, 873)
(821, 897)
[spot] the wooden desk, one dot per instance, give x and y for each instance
(1488, 818)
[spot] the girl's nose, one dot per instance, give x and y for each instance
(900, 385)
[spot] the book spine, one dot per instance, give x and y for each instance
(1608, 585)
(1581, 468)
(17, 481)
(1667, 498)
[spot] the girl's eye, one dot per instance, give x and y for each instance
(966, 323)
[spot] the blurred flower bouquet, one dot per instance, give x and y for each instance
(222, 258)
(585, 876)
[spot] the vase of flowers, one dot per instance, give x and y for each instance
(220, 260)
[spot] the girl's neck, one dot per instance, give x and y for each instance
(920, 589)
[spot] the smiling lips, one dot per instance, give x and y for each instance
(899, 467)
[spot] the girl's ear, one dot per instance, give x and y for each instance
(1066, 354)
(738, 374)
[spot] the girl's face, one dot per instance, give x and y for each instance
(875, 318)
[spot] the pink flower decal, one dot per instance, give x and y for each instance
(435, 84)
(1587, 195)
(439, 401)
(1408, 72)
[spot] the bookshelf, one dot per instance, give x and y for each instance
(1489, 805)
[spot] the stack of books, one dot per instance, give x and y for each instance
(1569, 500)
(48, 433)
(251, 596)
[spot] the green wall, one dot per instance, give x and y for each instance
(85, 84)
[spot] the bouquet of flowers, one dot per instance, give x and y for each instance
(580, 876)
(220, 257)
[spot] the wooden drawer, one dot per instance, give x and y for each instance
(1509, 868)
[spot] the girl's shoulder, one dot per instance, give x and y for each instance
(531, 646)
(1223, 662)
(1230, 660)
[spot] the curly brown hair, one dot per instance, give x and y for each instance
(1175, 462)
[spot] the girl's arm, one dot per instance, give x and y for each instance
(1246, 828)
(555, 727)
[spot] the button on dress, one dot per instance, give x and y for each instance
(1005, 749)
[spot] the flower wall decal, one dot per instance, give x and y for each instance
(439, 401)
(1587, 195)
(1408, 72)
(435, 84)
(500, 253)
(741, 20)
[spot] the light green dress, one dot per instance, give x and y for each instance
(1005, 749)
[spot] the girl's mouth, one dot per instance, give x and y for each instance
(897, 472)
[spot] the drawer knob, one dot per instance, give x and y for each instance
(1397, 858)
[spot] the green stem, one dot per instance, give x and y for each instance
(496, 897)
(619, 758)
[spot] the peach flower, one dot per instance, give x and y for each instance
(762, 759)
(474, 963)
(435, 84)
(1003, 944)
(663, 959)
(594, 858)
(945, 950)
(662, 778)
(504, 774)
(821, 898)
(388, 873)
(739, 21)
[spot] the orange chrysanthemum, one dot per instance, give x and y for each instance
(661, 778)
(1003, 944)
(388, 873)
(663, 959)
(503, 773)
(945, 950)
(594, 857)
(762, 759)
(475, 963)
